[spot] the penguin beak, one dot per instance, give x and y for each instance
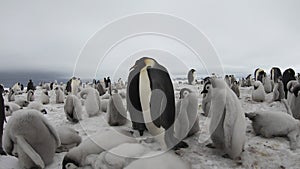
(134, 66)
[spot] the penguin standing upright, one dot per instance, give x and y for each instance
(191, 76)
(235, 88)
(288, 75)
(151, 101)
(295, 102)
(228, 123)
(206, 101)
(278, 93)
(2, 119)
(275, 74)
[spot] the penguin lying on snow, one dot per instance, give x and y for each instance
(69, 138)
(187, 120)
(164, 160)
(73, 108)
(119, 156)
(228, 124)
(116, 112)
(37, 106)
(151, 101)
(96, 144)
(92, 101)
(34, 149)
(22, 102)
(11, 107)
(270, 124)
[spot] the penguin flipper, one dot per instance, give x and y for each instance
(34, 156)
(157, 106)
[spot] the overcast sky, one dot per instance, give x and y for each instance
(49, 35)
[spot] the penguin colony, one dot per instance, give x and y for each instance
(152, 108)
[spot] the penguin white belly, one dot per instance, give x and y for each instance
(145, 95)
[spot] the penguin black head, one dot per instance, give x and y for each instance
(184, 92)
(206, 87)
(6, 107)
(296, 89)
(44, 111)
(68, 163)
(142, 62)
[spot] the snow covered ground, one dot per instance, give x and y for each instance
(259, 152)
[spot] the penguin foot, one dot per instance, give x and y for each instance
(141, 132)
(2, 152)
(181, 144)
(211, 145)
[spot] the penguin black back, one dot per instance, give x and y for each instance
(288, 75)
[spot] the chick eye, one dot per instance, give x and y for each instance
(207, 87)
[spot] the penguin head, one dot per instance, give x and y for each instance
(143, 62)
(44, 111)
(184, 92)
(206, 87)
(296, 89)
(256, 84)
(69, 163)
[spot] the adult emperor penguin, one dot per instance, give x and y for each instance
(187, 120)
(34, 149)
(258, 92)
(259, 74)
(206, 100)
(73, 108)
(59, 95)
(45, 98)
(151, 101)
(288, 75)
(228, 124)
(191, 76)
(116, 112)
(2, 119)
(275, 74)
(295, 102)
(30, 95)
